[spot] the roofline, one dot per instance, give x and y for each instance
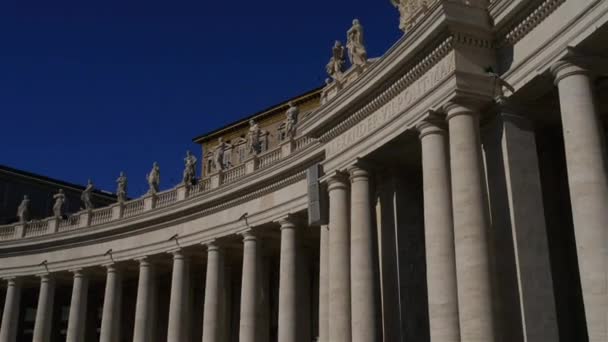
(270, 110)
(59, 183)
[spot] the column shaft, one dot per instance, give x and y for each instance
(339, 261)
(112, 305)
(288, 296)
(213, 316)
(44, 310)
(249, 290)
(145, 307)
(324, 285)
(586, 160)
(10, 315)
(78, 308)
(178, 328)
(470, 227)
(362, 260)
(439, 234)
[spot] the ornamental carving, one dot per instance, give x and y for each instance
(412, 11)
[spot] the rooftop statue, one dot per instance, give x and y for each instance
(121, 188)
(356, 45)
(189, 177)
(409, 11)
(153, 179)
(292, 120)
(254, 138)
(218, 156)
(85, 197)
(335, 67)
(59, 198)
(23, 212)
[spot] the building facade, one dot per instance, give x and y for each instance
(453, 189)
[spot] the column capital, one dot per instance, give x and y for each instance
(287, 222)
(568, 67)
(460, 107)
(212, 245)
(144, 261)
(12, 281)
(338, 180)
(358, 172)
(432, 124)
(111, 267)
(248, 235)
(78, 272)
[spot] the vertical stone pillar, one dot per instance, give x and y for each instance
(213, 317)
(470, 226)
(439, 232)
(288, 296)
(339, 260)
(178, 329)
(146, 303)
(250, 316)
(586, 159)
(78, 308)
(10, 315)
(112, 305)
(44, 310)
(324, 285)
(362, 261)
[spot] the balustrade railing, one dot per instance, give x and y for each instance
(133, 208)
(101, 215)
(138, 206)
(166, 198)
(36, 228)
(234, 174)
(269, 158)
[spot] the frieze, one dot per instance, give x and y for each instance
(394, 107)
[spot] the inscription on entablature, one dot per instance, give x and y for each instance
(394, 107)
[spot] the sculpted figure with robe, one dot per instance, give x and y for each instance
(335, 67)
(121, 188)
(23, 212)
(59, 198)
(218, 155)
(86, 196)
(189, 177)
(356, 45)
(154, 179)
(291, 121)
(254, 138)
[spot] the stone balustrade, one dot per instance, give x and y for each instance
(99, 216)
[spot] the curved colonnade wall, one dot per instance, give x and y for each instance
(439, 208)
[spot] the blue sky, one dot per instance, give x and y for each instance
(90, 88)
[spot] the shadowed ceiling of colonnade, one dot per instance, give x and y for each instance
(90, 88)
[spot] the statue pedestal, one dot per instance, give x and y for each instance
(85, 218)
(182, 192)
(287, 147)
(53, 224)
(149, 202)
(19, 231)
(117, 210)
(251, 164)
(216, 180)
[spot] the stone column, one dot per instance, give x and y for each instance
(362, 263)
(439, 232)
(112, 304)
(470, 226)
(586, 159)
(288, 296)
(249, 290)
(324, 285)
(10, 315)
(213, 316)
(44, 310)
(145, 306)
(78, 308)
(339, 260)
(178, 304)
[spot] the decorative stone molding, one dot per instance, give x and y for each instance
(515, 32)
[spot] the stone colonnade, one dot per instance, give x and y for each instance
(461, 302)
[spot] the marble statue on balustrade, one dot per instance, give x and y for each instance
(59, 205)
(291, 121)
(121, 188)
(153, 179)
(23, 212)
(218, 154)
(85, 197)
(254, 138)
(335, 67)
(357, 54)
(189, 176)
(409, 10)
